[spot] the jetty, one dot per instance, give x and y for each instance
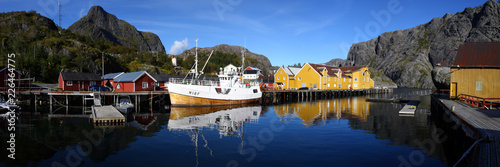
(480, 124)
(409, 108)
(282, 96)
(105, 114)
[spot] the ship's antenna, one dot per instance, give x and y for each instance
(196, 59)
(60, 14)
(243, 56)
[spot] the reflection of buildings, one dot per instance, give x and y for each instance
(227, 121)
(143, 121)
(319, 111)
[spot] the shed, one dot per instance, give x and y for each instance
(134, 81)
(476, 70)
(108, 79)
(72, 81)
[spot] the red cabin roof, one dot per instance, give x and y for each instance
(478, 54)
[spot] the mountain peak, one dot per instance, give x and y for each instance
(97, 11)
(100, 24)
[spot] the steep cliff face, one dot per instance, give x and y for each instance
(100, 24)
(253, 59)
(408, 56)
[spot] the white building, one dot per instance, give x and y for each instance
(230, 69)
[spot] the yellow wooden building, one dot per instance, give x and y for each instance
(476, 70)
(285, 77)
(360, 77)
(323, 77)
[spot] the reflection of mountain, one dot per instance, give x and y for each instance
(314, 113)
(228, 120)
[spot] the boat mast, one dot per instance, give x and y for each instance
(243, 60)
(196, 59)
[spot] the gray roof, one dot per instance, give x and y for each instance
(250, 72)
(165, 77)
(292, 71)
(133, 76)
(112, 75)
(73, 76)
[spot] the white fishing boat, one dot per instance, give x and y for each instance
(229, 90)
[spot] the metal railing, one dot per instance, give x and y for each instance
(194, 82)
(479, 102)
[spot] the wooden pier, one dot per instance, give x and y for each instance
(481, 125)
(106, 115)
(409, 108)
(281, 96)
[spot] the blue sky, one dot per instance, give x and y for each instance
(286, 31)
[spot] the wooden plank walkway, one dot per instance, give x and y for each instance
(410, 107)
(482, 124)
(106, 114)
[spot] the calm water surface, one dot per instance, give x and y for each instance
(336, 132)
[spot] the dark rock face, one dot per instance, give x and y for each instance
(100, 24)
(262, 61)
(408, 56)
(441, 77)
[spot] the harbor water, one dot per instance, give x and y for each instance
(330, 132)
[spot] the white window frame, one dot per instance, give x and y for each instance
(479, 85)
(300, 78)
(284, 78)
(355, 85)
(355, 79)
(69, 83)
(278, 78)
(145, 85)
(118, 86)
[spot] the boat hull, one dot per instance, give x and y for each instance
(180, 100)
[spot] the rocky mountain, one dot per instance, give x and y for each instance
(251, 59)
(408, 56)
(100, 24)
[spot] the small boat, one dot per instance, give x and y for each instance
(5, 105)
(124, 104)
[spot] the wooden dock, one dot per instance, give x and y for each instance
(106, 115)
(281, 96)
(409, 108)
(480, 124)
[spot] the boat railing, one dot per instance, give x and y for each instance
(194, 82)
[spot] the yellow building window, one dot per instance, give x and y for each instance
(284, 78)
(328, 85)
(349, 79)
(328, 80)
(344, 79)
(277, 78)
(300, 78)
(281, 72)
(334, 85)
(355, 85)
(479, 85)
(355, 79)
(335, 79)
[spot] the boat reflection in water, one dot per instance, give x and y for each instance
(318, 112)
(228, 120)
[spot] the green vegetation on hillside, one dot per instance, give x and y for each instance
(43, 51)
